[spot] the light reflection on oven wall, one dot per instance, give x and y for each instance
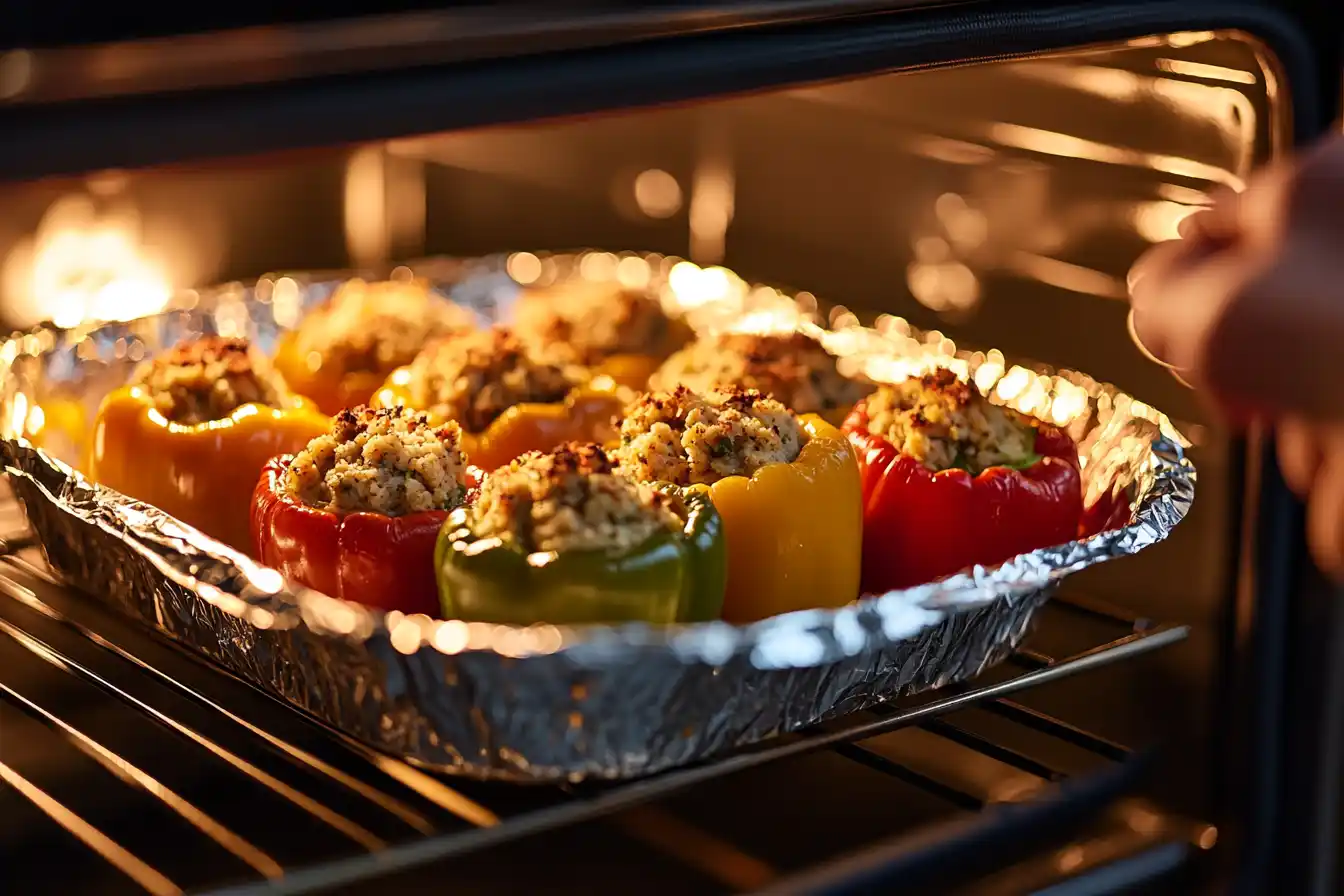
(1006, 200)
(115, 245)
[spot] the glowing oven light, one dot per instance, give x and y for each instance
(80, 267)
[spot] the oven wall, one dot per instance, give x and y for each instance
(1001, 203)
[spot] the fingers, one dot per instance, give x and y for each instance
(1325, 512)
(1178, 303)
(1148, 292)
(1300, 453)
(1219, 222)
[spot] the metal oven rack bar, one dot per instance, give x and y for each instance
(126, 762)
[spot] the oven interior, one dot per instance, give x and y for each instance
(999, 203)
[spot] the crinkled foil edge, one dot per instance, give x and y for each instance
(543, 702)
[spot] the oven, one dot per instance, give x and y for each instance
(986, 172)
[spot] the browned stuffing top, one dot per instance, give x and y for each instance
(570, 499)
(684, 438)
(208, 379)
(945, 423)
(390, 461)
(586, 322)
(475, 377)
(376, 327)
(792, 367)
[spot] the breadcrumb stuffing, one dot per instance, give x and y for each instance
(570, 499)
(390, 461)
(793, 368)
(685, 438)
(474, 377)
(208, 379)
(378, 326)
(944, 424)
(586, 322)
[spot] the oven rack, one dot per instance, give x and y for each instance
(128, 765)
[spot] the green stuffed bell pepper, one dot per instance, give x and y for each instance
(560, 538)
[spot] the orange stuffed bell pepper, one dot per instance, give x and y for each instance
(506, 401)
(620, 333)
(357, 513)
(786, 487)
(192, 431)
(951, 481)
(343, 350)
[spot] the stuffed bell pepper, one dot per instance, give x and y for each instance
(192, 430)
(507, 400)
(356, 513)
(792, 367)
(559, 537)
(951, 480)
(621, 333)
(787, 488)
(343, 350)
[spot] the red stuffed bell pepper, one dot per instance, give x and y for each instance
(357, 513)
(951, 481)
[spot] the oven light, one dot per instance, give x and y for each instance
(82, 267)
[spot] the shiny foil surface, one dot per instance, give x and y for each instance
(544, 702)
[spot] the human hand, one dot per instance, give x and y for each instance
(1248, 307)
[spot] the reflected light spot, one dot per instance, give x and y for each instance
(524, 267)
(405, 637)
(267, 580)
(1206, 71)
(286, 302)
(597, 266)
(693, 285)
(452, 636)
(633, 272)
(1189, 38)
(944, 287)
(1070, 859)
(657, 193)
(367, 236)
(16, 73)
(932, 249)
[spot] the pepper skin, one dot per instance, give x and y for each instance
(64, 427)
(919, 525)
(669, 577)
(585, 415)
(793, 529)
(331, 389)
(630, 371)
(380, 561)
(202, 474)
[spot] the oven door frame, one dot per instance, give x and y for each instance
(1284, 625)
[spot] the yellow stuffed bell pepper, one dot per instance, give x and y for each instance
(344, 349)
(58, 425)
(630, 371)
(585, 415)
(785, 485)
(794, 530)
(203, 473)
(331, 387)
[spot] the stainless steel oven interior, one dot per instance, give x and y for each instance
(999, 202)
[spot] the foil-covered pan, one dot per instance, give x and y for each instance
(544, 702)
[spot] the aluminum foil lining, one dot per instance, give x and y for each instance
(545, 702)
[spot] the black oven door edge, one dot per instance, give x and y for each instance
(1286, 634)
(154, 129)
